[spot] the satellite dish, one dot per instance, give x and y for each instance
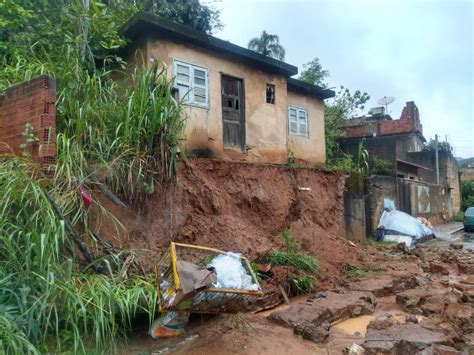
(386, 100)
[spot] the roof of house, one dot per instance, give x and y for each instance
(144, 22)
(305, 88)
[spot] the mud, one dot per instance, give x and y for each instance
(242, 208)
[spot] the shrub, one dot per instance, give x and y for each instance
(290, 256)
(302, 284)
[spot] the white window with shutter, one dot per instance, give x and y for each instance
(192, 83)
(298, 121)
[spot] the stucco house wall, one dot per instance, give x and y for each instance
(266, 124)
(313, 147)
(267, 136)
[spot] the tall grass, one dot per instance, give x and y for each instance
(46, 301)
(124, 134)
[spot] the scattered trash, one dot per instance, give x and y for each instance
(205, 280)
(231, 273)
(86, 197)
(169, 324)
(355, 349)
(400, 227)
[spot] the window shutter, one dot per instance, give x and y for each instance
(297, 121)
(200, 86)
(302, 123)
(292, 120)
(192, 83)
(183, 79)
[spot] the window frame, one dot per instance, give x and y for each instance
(298, 110)
(266, 95)
(189, 98)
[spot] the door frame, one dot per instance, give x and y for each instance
(242, 107)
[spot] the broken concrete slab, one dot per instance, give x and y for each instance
(312, 319)
(384, 285)
(408, 338)
(425, 300)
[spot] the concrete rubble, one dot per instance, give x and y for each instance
(433, 290)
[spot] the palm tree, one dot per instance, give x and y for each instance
(269, 45)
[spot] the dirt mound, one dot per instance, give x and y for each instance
(243, 208)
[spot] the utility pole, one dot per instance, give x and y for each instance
(436, 158)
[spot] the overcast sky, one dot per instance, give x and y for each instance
(413, 50)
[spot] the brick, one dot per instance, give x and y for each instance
(34, 102)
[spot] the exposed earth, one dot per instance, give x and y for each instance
(416, 301)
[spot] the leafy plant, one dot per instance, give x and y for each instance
(302, 284)
(290, 256)
(381, 167)
(46, 302)
(459, 216)
(360, 271)
(362, 159)
(467, 189)
(268, 45)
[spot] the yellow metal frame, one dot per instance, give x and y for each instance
(177, 284)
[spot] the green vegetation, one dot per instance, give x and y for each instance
(302, 284)
(442, 146)
(459, 217)
(342, 107)
(291, 257)
(360, 271)
(467, 194)
(314, 73)
(268, 45)
(380, 167)
(120, 134)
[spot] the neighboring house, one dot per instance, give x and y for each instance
(239, 104)
(413, 184)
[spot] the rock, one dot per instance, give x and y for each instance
(423, 300)
(411, 318)
(312, 319)
(468, 295)
(382, 322)
(355, 349)
(456, 246)
(403, 248)
(318, 334)
(438, 268)
(408, 338)
(421, 281)
(461, 315)
(440, 350)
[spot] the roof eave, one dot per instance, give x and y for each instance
(143, 21)
(309, 89)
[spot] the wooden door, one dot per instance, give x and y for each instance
(233, 116)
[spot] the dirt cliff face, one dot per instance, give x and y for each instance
(243, 208)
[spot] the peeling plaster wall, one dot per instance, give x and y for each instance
(313, 147)
(266, 125)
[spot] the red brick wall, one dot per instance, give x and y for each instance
(409, 122)
(34, 102)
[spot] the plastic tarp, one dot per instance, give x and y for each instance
(231, 273)
(401, 227)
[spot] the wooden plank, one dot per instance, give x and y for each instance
(285, 296)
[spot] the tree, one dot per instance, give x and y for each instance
(444, 146)
(269, 45)
(190, 13)
(314, 73)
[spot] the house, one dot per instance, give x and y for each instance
(420, 183)
(239, 104)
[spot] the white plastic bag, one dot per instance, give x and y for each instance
(231, 273)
